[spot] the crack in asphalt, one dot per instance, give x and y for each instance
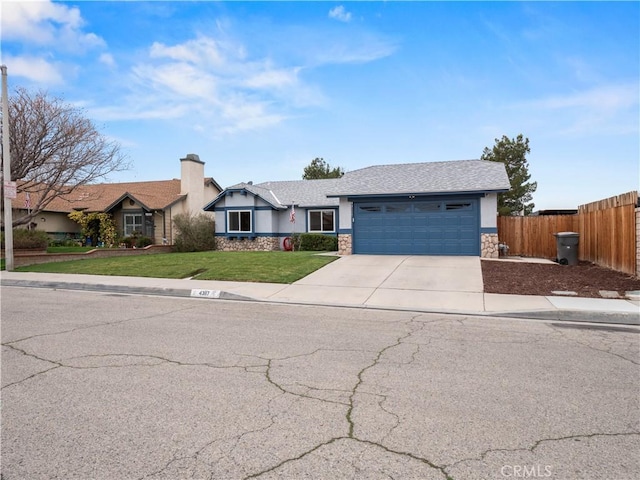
(355, 439)
(375, 362)
(266, 367)
(293, 459)
(160, 361)
(351, 405)
(103, 324)
(281, 388)
(195, 457)
(564, 334)
(536, 444)
(27, 354)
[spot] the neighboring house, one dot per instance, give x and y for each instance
(144, 207)
(436, 208)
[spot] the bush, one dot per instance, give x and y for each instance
(141, 242)
(135, 240)
(317, 242)
(195, 233)
(68, 242)
(23, 238)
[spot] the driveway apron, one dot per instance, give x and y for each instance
(447, 282)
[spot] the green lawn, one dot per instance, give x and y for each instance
(271, 267)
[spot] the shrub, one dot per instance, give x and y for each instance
(141, 242)
(66, 242)
(23, 238)
(195, 233)
(317, 242)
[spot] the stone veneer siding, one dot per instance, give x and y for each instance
(246, 244)
(489, 245)
(344, 244)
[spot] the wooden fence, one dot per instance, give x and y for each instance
(607, 231)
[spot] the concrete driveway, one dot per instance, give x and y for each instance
(405, 281)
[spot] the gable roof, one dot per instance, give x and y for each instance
(153, 195)
(456, 176)
(304, 193)
(281, 195)
(426, 177)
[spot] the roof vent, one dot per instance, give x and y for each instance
(250, 182)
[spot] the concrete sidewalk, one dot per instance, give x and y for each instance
(417, 283)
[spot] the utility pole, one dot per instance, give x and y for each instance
(8, 187)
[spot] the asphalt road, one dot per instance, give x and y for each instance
(106, 386)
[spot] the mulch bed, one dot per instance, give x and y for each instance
(524, 278)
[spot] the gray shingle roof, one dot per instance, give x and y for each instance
(304, 193)
(428, 177)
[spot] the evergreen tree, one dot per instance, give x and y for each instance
(513, 153)
(318, 168)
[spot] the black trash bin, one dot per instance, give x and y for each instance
(567, 247)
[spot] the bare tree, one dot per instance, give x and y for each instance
(55, 149)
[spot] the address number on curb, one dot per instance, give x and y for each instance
(205, 293)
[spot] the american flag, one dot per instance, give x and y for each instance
(27, 201)
(292, 215)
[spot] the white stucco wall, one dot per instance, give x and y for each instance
(489, 211)
(346, 214)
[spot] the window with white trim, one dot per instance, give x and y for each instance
(133, 223)
(322, 221)
(239, 221)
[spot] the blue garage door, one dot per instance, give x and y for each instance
(447, 227)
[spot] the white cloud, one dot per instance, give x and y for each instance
(35, 69)
(46, 23)
(607, 97)
(214, 84)
(218, 85)
(340, 13)
(107, 59)
(273, 78)
(606, 109)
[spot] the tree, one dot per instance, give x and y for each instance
(513, 153)
(55, 149)
(97, 226)
(318, 168)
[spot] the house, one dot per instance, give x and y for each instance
(434, 208)
(147, 208)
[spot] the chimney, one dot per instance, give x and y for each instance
(192, 182)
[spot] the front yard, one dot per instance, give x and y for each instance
(524, 278)
(270, 267)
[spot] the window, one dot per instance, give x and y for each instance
(458, 206)
(239, 221)
(370, 209)
(321, 221)
(132, 223)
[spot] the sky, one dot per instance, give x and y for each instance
(259, 89)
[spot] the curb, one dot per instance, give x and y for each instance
(583, 316)
(98, 287)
